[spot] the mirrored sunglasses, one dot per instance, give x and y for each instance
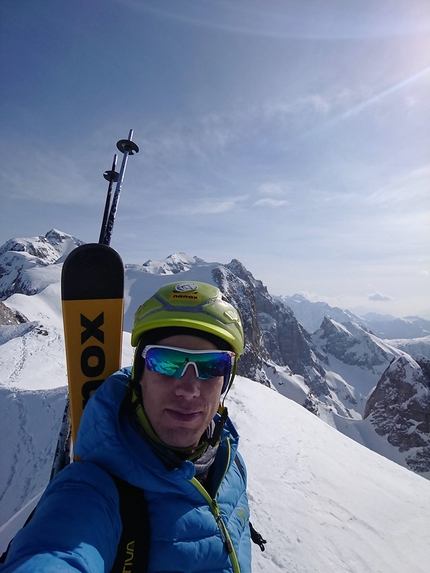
(173, 362)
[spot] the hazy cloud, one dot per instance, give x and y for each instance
(221, 206)
(269, 202)
(410, 186)
(379, 297)
(272, 189)
(274, 193)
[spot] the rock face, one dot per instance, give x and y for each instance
(399, 408)
(236, 285)
(353, 344)
(271, 329)
(10, 317)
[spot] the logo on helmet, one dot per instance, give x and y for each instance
(185, 287)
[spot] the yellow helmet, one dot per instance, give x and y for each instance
(194, 305)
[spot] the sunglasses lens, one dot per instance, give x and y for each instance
(172, 362)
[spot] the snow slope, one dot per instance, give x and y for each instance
(324, 503)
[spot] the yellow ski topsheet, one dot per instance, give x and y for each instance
(93, 339)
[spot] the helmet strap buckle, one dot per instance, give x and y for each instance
(219, 426)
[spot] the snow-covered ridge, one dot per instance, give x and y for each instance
(173, 264)
(413, 346)
(322, 502)
(48, 248)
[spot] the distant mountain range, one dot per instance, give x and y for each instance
(311, 314)
(334, 363)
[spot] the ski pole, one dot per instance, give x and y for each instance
(112, 177)
(64, 443)
(127, 147)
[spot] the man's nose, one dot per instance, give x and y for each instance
(188, 384)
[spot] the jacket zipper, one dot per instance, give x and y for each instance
(213, 504)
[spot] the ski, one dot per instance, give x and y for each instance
(92, 293)
(92, 287)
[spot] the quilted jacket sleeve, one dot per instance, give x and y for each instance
(76, 526)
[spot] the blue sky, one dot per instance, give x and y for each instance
(291, 135)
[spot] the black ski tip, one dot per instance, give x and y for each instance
(92, 271)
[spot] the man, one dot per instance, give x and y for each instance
(161, 427)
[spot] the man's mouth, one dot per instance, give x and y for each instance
(183, 416)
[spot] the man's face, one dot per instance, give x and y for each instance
(180, 409)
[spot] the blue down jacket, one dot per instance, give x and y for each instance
(77, 524)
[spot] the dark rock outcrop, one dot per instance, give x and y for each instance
(10, 317)
(399, 408)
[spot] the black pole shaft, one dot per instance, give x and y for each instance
(112, 177)
(127, 147)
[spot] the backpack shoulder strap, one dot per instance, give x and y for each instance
(133, 549)
(240, 467)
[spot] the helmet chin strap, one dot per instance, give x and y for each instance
(219, 426)
(223, 417)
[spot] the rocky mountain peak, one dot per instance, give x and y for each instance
(353, 344)
(171, 265)
(239, 292)
(19, 257)
(47, 249)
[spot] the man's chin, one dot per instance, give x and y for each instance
(181, 437)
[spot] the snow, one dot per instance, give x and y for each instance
(44, 306)
(324, 502)
(172, 264)
(290, 385)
